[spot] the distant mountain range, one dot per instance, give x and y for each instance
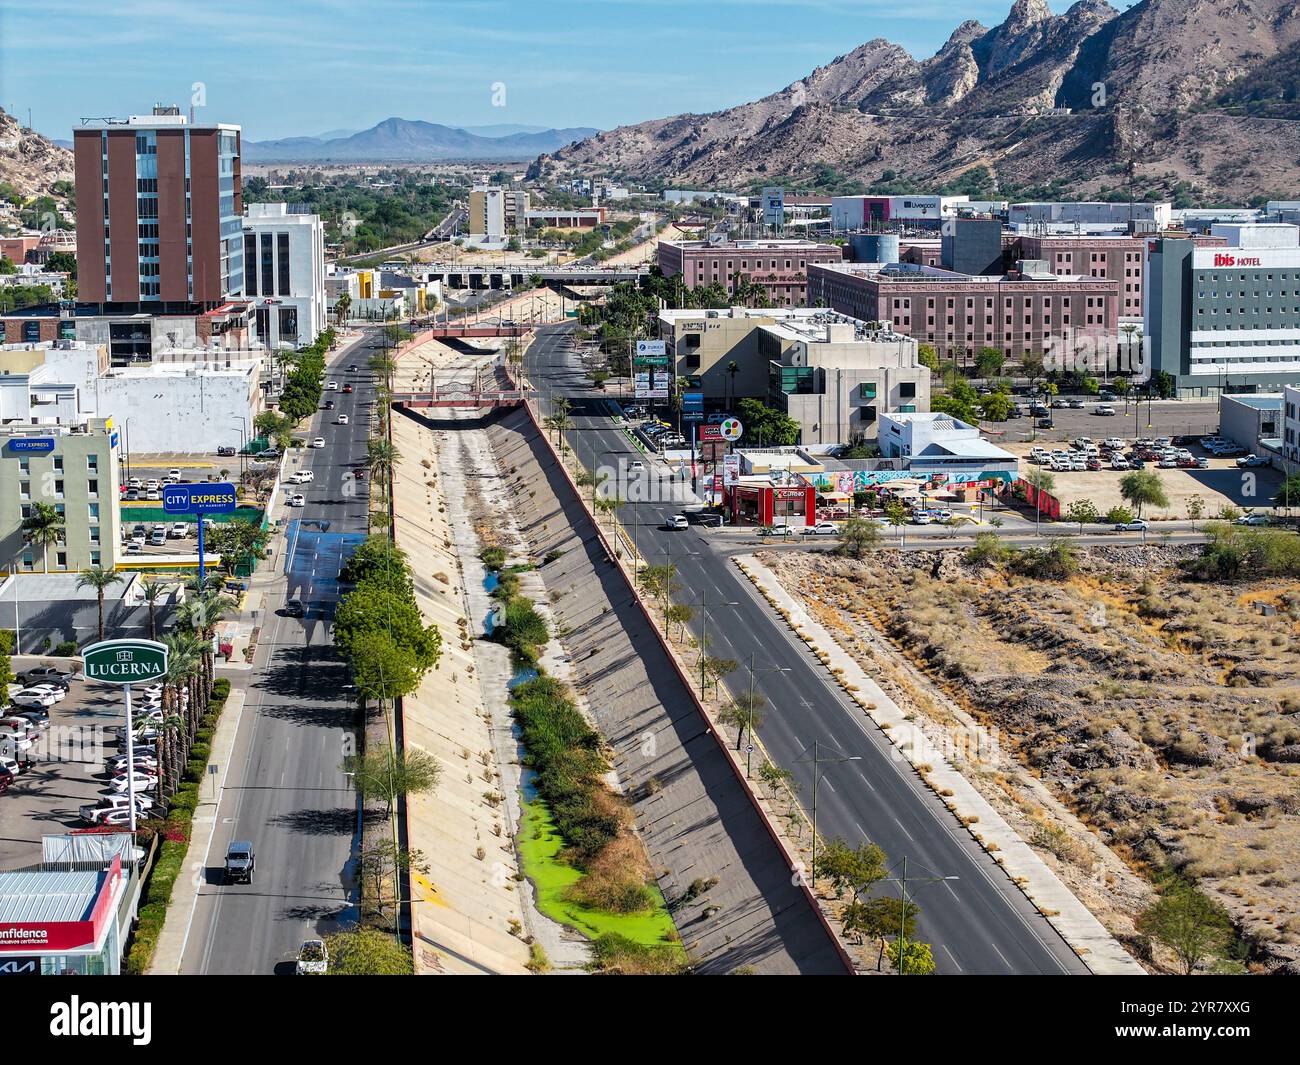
(1205, 92)
(404, 140)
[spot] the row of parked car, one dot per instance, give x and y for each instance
(27, 717)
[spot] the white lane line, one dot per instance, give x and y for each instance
(904, 828)
(957, 963)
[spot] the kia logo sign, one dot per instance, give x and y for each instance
(20, 967)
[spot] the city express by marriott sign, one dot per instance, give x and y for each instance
(126, 661)
(199, 498)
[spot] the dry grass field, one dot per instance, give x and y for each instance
(1163, 712)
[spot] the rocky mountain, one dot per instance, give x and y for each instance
(30, 163)
(1202, 91)
(403, 140)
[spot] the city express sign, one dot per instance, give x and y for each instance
(126, 661)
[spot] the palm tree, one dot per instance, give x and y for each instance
(153, 590)
(733, 368)
(100, 579)
(381, 457)
(341, 307)
(43, 526)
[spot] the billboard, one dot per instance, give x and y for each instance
(730, 470)
(199, 498)
(693, 406)
(125, 661)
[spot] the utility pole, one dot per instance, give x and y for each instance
(902, 881)
(749, 728)
(817, 759)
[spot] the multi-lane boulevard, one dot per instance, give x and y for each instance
(978, 923)
(283, 789)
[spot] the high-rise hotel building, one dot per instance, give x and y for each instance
(159, 226)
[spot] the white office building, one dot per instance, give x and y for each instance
(284, 274)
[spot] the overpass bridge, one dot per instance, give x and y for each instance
(462, 397)
(511, 275)
(432, 328)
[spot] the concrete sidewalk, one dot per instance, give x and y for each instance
(1075, 922)
(185, 892)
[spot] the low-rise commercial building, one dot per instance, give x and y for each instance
(63, 922)
(1028, 309)
(832, 374)
(780, 267)
(871, 212)
(179, 404)
(1094, 212)
(1254, 421)
(564, 218)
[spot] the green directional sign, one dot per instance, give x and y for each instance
(125, 661)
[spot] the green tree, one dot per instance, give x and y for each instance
(62, 262)
(1195, 509)
(1143, 488)
(1288, 492)
(857, 537)
(880, 918)
(100, 579)
(6, 666)
(1082, 511)
(238, 542)
(374, 606)
(680, 614)
(927, 357)
(917, 958)
(367, 952)
(152, 589)
(1187, 922)
(989, 362)
(996, 406)
(44, 525)
(851, 869)
(743, 712)
(381, 667)
(385, 775)
(381, 456)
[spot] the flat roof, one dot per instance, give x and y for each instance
(1258, 400)
(39, 896)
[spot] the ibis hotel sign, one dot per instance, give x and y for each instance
(126, 661)
(199, 498)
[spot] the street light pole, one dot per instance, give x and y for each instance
(817, 761)
(902, 881)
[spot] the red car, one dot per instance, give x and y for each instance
(347, 388)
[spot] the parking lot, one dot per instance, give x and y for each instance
(1161, 417)
(1221, 484)
(69, 769)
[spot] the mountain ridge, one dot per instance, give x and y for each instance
(1090, 96)
(409, 140)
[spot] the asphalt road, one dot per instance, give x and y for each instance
(283, 789)
(980, 923)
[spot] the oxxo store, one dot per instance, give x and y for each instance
(757, 501)
(57, 923)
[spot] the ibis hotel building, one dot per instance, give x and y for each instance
(1226, 319)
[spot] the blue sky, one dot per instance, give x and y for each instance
(300, 67)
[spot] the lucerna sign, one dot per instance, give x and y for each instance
(125, 661)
